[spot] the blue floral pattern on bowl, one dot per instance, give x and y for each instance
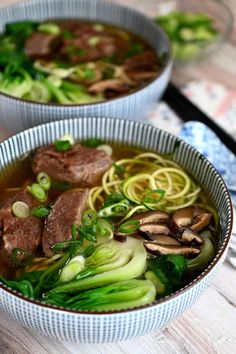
(207, 142)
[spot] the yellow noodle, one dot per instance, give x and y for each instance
(143, 173)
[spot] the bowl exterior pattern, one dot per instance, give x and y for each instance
(120, 325)
(18, 114)
(100, 328)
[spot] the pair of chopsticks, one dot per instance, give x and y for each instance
(187, 111)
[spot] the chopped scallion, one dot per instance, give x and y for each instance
(44, 180)
(63, 145)
(64, 245)
(93, 41)
(37, 192)
(115, 210)
(61, 185)
(104, 228)
(129, 226)
(106, 148)
(40, 211)
(89, 217)
(88, 233)
(88, 251)
(92, 142)
(68, 137)
(75, 266)
(154, 196)
(49, 27)
(74, 232)
(119, 169)
(20, 209)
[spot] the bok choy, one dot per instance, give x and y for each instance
(133, 268)
(117, 296)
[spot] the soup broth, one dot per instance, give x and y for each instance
(73, 61)
(90, 226)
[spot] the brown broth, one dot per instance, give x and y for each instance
(22, 176)
(101, 51)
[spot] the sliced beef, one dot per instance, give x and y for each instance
(79, 50)
(89, 44)
(143, 66)
(143, 61)
(66, 211)
(41, 44)
(16, 232)
(79, 164)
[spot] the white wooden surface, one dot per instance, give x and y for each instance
(210, 325)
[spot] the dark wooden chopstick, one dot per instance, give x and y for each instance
(187, 111)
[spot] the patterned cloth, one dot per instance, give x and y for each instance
(215, 100)
(220, 104)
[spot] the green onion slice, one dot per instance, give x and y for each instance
(87, 232)
(129, 226)
(89, 217)
(20, 209)
(88, 251)
(115, 210)
(119, 169)
(92, 142)
(37, 192)
(62, 246)
(155, 196)
(63, 145)
(74, 232)
(104, 228)
(40, 211)
(61, 185)
(44, 180)
(49, 27)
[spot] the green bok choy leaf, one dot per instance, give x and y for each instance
(117, 296)
(126, 268)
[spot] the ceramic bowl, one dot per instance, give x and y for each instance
(104, 327)
(218, 11)
(19, 114)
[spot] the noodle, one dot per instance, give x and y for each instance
(147, 172)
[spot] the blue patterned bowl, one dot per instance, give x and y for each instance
(19, 114)
(101, 327)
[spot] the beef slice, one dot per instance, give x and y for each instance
(41, 44)
(24, 233)
(66, 211)
(81, 165)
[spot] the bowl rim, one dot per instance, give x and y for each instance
(168, 61)
(166, 298)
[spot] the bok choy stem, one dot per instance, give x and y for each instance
(132, 269)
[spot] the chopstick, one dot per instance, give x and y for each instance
(187, 111)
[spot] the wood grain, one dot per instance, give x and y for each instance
(209, 327)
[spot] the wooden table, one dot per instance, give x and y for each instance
(210, 325)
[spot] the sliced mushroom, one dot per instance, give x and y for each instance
(154, 229)
(140, 62)
(166, 240)
(189, 236)
(113, 84)
(201, 221)
(121, 237)
(139, 76)
(155, 248)
(184, 217)
(151, 217)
